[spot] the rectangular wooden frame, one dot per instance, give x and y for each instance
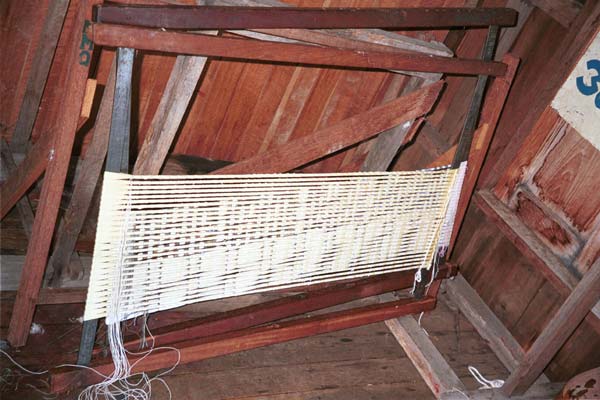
(229, 341)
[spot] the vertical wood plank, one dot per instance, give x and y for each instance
(91, 167)
(37, 252)
(490, 114)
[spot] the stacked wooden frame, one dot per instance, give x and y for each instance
(239, 330)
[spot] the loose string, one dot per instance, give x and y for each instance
(112, 388)
(485, 383)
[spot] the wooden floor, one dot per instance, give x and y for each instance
(361, 363)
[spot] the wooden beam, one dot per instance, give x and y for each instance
(487, 324)
(385, 146)
(234, 48)
(246, 339)
(303, 150)
(117, 159)
(490, 115)
(284, 308)
(40, 66)
(89, 174)
(352, 39)
(426, 358)
(56, 171)
(557, 331)
(345, 39)
(526, 241)
(465, 139)
(217, 17)
(169, 114)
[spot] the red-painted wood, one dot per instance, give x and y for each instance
(285, 307)
(321, 143)
(233, 48)
(56, 171)
(246, 339)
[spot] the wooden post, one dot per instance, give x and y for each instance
(466, 136)
(117, 161)
(557, 331)
(74, 217)
(77, 69)
(490, 115)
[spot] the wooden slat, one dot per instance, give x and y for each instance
(117, 157)
(216, 17)
(303, 150)
(530, 246)
(40, 66)
(61, 296)
(88, 98)
(557, 331)
(234, 48)
(56, 171)
(200, 349)
(430, 363)
(89, 174)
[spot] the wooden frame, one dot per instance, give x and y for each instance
(238, 330)
(235, 331)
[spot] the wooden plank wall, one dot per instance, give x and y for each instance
(548, 176)
(241, 109)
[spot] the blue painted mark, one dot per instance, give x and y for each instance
(85, 55)
(594, 86)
